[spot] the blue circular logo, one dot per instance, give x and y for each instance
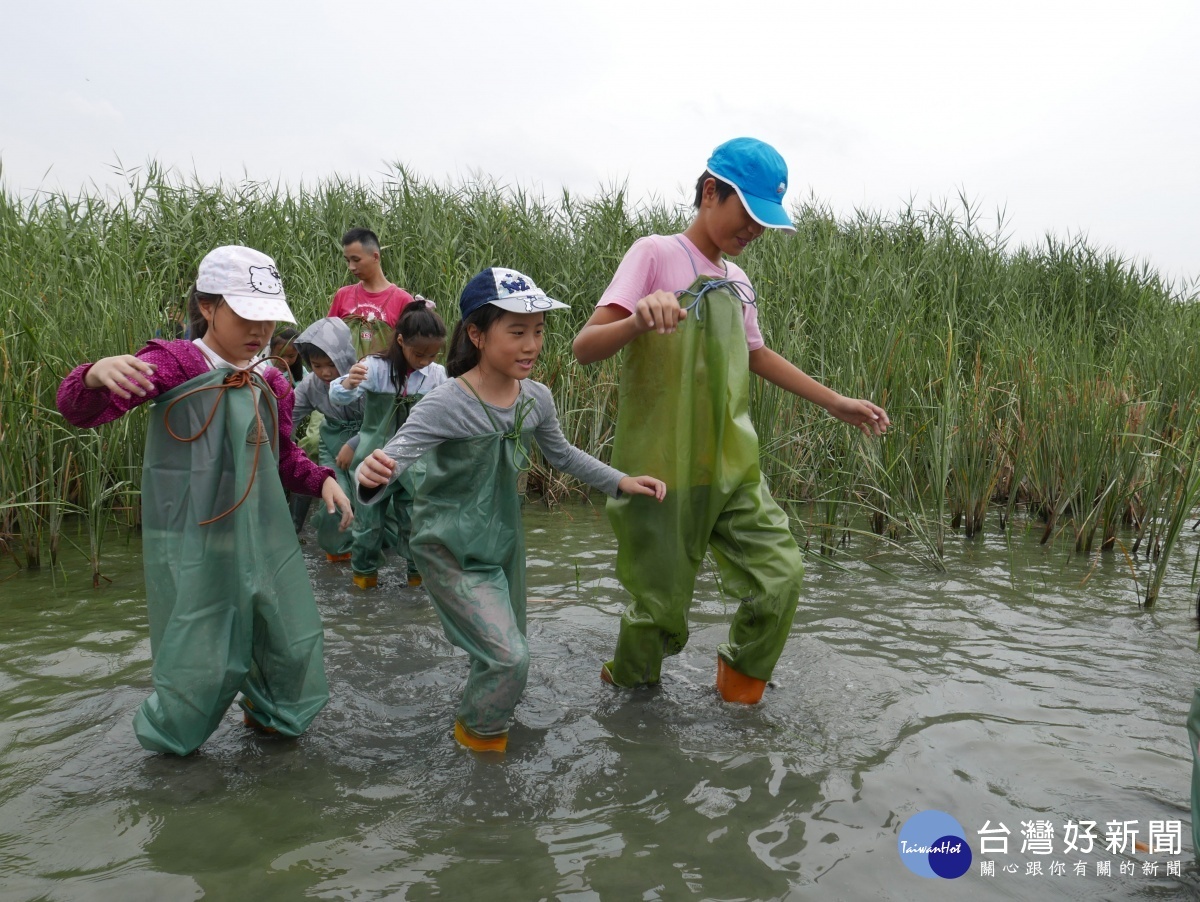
(933, 844)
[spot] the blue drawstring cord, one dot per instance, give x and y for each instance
(741, 290)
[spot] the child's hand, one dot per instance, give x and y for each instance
(376, 470)
(659, 311)
(333, 496)
(643, 485)
(357, 374)
(345, 457)
(123, 375)
(870, 418)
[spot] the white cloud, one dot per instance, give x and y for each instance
(1071, 121)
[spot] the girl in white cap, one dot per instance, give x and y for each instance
(229, 601)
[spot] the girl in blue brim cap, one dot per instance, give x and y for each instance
(472, 435)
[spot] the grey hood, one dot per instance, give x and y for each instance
(330, 336)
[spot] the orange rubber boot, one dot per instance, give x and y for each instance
(337, 558)
(469, 740)
(249, 720)
(737, 687)
(366, 580)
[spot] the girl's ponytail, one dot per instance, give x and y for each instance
(197, 324)
(463, 354)
(417, 320)
(420, 320)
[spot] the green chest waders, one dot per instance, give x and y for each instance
(369, 337)
(333, 435)
(386, 524)
(309, 441)
(469, 545)
(684, 417)
(228, 597)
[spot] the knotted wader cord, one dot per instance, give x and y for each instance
(522, 457)
(239, 378)
(743, 291)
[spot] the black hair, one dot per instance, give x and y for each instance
(368, 239)
(463, 353)
(285, 336)
(724, 189)
(308, 352)
(197, 324)
(417, 320)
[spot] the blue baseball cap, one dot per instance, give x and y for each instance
(507, 289)
(759, 176)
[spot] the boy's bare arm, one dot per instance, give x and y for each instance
(867, 416)
(612, 327)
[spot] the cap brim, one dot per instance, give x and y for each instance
(532, 304)
(261, 309)
(767, 213)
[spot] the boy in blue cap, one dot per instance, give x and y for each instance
(687, 320)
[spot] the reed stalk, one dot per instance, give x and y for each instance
(1052, 381)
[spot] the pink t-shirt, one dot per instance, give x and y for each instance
(354, 300)
(671, 263)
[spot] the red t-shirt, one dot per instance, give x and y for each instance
(356, 301)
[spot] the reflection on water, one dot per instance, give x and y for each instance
(900, 691)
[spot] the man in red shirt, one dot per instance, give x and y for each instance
(371, 306)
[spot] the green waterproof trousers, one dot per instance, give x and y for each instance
(309, 440)
(684, 416)
(228, 598)
(387, 523)
(469, 545)
(333, 435)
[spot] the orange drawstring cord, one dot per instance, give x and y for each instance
(242, 378)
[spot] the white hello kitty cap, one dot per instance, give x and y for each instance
(249, 282)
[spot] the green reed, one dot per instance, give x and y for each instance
(1053, 383)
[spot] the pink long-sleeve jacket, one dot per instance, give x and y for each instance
(176, 362)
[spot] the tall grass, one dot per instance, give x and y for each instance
(1054, 385)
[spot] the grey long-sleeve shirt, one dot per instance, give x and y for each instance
(450, 412)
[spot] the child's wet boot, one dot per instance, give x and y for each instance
(737, 687)
(414, 576)
(475, 743)
(251, 721)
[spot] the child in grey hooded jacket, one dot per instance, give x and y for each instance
(328, 352)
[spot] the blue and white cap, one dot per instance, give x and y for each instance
(758, 175)
(506, 289)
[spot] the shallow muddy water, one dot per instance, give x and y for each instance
(901, 691)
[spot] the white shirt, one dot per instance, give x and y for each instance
(216, 361)
(379, 379)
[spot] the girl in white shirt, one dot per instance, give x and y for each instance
(391, 384)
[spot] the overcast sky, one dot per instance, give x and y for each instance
(1070, 117)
